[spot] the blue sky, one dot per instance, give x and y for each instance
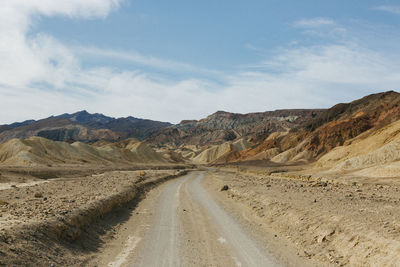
(223, 35)
(174, 60)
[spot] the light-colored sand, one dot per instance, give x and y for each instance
(216, 152)
(377, 152)
(267, 154)
(212, 153)
(284, 156)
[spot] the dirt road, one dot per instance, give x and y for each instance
(182, 225)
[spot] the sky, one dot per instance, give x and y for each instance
(174, 60)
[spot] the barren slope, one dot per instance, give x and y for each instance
(329, 129)
(378, 150)
(224, 126)
(41, 151)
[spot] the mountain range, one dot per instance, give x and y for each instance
(224, 126)
(327, 138)
(82, 126)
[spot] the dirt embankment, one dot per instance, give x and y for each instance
(333, 223)
(63, 221)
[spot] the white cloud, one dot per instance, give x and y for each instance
(25, 60)
(314, 23)
(323, 28)
(390, 9)
(70, 8)
(150, 61)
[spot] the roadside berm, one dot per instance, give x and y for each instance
(62, 222)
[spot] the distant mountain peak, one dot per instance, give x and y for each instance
(188, 121)
(222, 112)
(82, 126)
(82, 112)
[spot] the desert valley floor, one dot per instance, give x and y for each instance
(124, 218)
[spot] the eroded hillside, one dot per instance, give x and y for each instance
(332, 128)
(224, 126)
(40, 151)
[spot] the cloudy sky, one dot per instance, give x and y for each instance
(179, 59)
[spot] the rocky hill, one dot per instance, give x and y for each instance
(329, 129)
(223, 126)
(82, 126)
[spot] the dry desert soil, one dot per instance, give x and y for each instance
(275, 216)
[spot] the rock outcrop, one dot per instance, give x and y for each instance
(223, 126)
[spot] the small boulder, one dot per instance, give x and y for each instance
(224, 188)
(38, 195)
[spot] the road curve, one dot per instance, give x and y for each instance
(189, 228)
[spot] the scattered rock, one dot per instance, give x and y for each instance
(224, 188)
(321, 239)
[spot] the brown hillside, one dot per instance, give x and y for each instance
(221, 127)
(329, 129)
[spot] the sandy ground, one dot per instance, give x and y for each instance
(332, 223)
